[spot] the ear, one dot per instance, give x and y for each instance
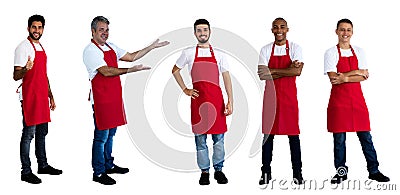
(287, 30)
(27, 28)
(93, 31)
(337, 32)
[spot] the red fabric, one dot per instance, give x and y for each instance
(347, 110)
(207, 110)
(107, 94)
(35, 91)
(280, 112)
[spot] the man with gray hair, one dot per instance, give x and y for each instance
(101, 60)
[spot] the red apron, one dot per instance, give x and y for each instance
(107, 95)
(35, 91)
(347, 110)
(207, 110)
(285, 116)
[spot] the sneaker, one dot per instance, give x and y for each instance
(298, 178)
(265, 178)
(379, 177)
(204, 178)
(117, 169)
(220, 177)
(337, 179)
(104, 179)
(31, 178)
(49, 170)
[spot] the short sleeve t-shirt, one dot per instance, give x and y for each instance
(331, 58)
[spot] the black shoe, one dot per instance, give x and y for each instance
(49, 170)
(379, 177)
(117, 169)
(104, 179)
(265, 178)
(220, 177)
(337, 179)
(298, 178)
(31, 178)
(204, 178)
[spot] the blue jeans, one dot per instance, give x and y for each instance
(28, 133)
(102, 149)
(295, 153)
(218, 156)
(367, 146)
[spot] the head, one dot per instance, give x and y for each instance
(279, 29)
(202, 30)
(35, 27)
(344, 30)
(100, 30)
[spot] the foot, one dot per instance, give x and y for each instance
(204, 178)
(265, 178)
(117, 169)
(298, 178)
(49, 170)
(31, 178)
(104, 179)
(337, 179)
(379, 177)
(220, 177)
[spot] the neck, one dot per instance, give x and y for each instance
(344, 45)
(34, 41)
(280, 42)
(101, 44)
(204, 45)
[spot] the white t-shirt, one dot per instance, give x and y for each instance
(188, 55)
(93, 58)
(295, 52)
(23, 50)
(331, 58)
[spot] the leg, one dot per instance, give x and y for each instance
(203, 160)
(267, 147)
(339, 150)
(369, 151)
(28, 132)
(109, 160)
(295, 154)
(219, 151)
(40, 145)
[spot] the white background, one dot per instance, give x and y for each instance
(134, 24)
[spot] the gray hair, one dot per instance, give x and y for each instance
(98, 19)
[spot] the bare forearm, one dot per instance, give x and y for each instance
(111, 71)
(50, 93)
(286, 72)
(19, 72)
(228, 85)
(139, 54)
(354, 78)
(179, 79)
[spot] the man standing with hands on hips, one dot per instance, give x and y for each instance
(30, 65)
(346, 67)
(280, 62)
(208, 112)
(101, 60)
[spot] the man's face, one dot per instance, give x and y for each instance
(35, 30)
(100, 35)
(344, 32)
(279, 29)
(202, 33)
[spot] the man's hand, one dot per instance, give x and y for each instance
(52, 104)
(29, 64)
(264, 73)
(228, 109)
(191, 92)
(139, 67)
(157, 44)
(338, 79)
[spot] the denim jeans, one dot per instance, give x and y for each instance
(367, 146)
(28, 133)
(295, 153)
(218, 156)
(102, 149)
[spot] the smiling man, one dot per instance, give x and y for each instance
(30, 65)
(346, 67)
(280, 62)
(208, 112)
(101, 61)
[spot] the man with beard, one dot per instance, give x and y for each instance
(208, 112)
(101, 60)
(30, 65)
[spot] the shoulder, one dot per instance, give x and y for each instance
(25, 44)
(358, 49)
(331, 51)
(267, 46)
(294, 45)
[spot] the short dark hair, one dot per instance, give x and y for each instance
(201, 21)
(279, 18)
(35, 18)
(97, 19)
(344, 20)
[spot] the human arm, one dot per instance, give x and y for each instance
(228, 88)
(348, 77)
(293, 70)
(193, 93)
(130, 57)
(112, 71)
(50, 94)
(19, 72)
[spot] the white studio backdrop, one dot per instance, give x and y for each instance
(134, 25)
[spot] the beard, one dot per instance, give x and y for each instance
(33, 37)
(203, 40)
